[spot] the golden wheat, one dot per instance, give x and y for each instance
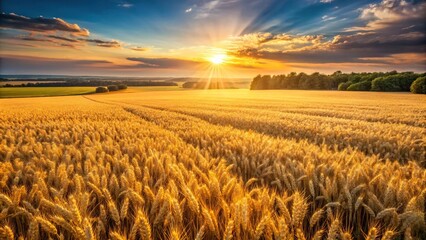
(206, 166)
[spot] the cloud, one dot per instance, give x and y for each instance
(33, 39)
(401, 62)
(409, 27)
(125, 5)
(14, 64)
(103, 43)
(74, 42)
(414, 58)
(50, 39)
(367, 45)
(139, 49)
(209, 7)
(390, 27)
(164, 63)
(327, 18)
(355, 48)
(254, 44)
(326, 1)
(59, 41)
(41, 29)
(205, 9)
(67, 45)
(63, 38)
(388, 33)
(35, 65)
(188, 10)
(40, 24)
(394, 14)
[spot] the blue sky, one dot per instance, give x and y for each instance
(264, 36)
(150, 21)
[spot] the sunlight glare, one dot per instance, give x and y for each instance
(217, 58)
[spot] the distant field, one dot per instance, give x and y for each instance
(154, 88)
(214, 164)
(25, 82)
(16, 92)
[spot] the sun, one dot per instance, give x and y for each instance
(218, 58)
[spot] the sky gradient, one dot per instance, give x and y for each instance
(177, 38)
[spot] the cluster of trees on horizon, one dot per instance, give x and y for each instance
(90, 83)
(111, 88)
(375, 81)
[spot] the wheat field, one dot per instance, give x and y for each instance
(217, 164)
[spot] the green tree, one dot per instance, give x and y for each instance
(419, 85)
(101, 90)
(256, 82)
(122, 86)
(112, 88)
(337, 78)
(361, 86)
(344, 86)
(400, 82)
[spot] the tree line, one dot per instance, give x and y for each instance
(90, 83)
(375, 81)
(111, 88)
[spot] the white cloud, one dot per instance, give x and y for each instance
(409, 27)
(326, 1)
(209, 7)
(255, 44)
(389, 12)
(125, 5)
(188, 10)
(205, 10)
(327, 18)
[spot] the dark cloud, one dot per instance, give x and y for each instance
(40, 24)
(382, 44)
(59, 41)
(392, 15)
(67, 45)
(391, 29)
(43, 26)
(340, 49)
(140, 49)
(23, 45)
(103, 43)
(34, 39)
(63, 38)
(163, 63)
